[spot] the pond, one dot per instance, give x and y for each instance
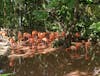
(56, 63)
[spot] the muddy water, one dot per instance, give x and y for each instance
(52, 64)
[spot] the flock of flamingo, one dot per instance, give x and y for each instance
(33, 43)
(28, 44)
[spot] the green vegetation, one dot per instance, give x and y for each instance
(51, 15)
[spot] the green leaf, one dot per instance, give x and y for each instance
(40, 14)
(18, 1)
(71, 3)
(98, 26)
(95, 27)
(89, 0)
(54, 27)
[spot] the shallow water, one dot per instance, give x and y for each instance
(51, 64)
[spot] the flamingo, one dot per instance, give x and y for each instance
(20, 36)
(51, 36)
(87, 46)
